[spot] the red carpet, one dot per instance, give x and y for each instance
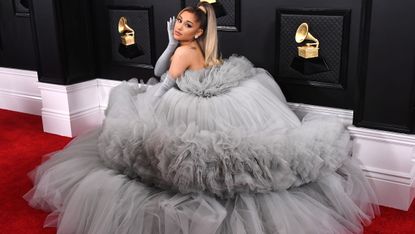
(22, 144)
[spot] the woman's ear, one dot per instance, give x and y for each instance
(199, 33)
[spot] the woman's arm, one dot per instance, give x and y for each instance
(163, 62)
(181, 60)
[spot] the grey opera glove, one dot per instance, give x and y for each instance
(163, 62)
(167, 84)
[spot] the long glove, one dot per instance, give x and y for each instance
(167, 84)
(163, 63)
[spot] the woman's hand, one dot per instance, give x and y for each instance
(170, 31)
(163, 63)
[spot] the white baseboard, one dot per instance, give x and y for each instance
(389, 162)
(388, 158)
(104, 87)
(19, 91)
(70, 110)
(300, 109)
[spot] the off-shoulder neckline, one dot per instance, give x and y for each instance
(227, 60)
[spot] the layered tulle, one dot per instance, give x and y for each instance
(222, 154)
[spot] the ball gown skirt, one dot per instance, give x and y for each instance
(220, 153)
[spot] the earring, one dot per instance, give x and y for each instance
(196, 37)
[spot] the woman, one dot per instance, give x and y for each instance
(198, 44)
(222, 153)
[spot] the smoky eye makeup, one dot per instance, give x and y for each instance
(187, 23)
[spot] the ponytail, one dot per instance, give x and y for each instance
(209, 41)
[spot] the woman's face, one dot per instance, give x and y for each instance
(186, 27)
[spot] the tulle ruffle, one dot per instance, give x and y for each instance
(223, 163)
(216, 80)
(85, 196)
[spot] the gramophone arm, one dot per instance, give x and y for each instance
(316, 43)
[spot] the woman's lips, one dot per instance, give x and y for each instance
(177, 33)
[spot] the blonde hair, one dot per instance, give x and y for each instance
(208, 41)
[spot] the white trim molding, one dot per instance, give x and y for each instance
(70, 110)
(19, 91)
(104, 89)
(389, 162)
(300, 109)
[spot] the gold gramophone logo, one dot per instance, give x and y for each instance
(309, 50)
(126, 32)
(128, 47)
(308, 61)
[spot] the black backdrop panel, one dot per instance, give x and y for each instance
(148, 19)
(256, 39)
(231, 21)
(386, 88)
(21, 8)
(17, 41)
(140, 20)
(331, 28)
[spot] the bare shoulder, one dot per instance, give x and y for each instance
(185, 57)
(185, 54)
(181, 60)
(185, 51)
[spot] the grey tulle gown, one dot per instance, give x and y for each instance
(219, 153)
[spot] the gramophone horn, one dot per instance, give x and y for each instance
(303, 34)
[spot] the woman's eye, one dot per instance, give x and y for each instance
(179, 20)
(188, 25)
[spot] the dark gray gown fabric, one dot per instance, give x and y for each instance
(220, 153)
